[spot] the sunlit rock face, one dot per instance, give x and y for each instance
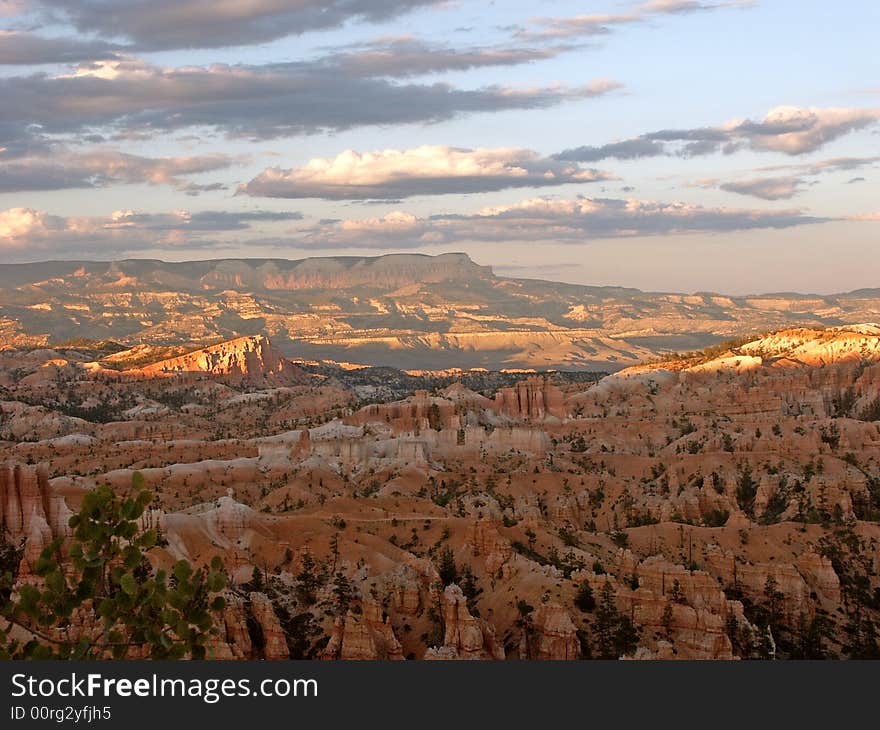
(245, 357)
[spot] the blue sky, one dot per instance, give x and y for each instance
(684, 145)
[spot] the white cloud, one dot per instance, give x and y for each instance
(425, 170)
(795, 130)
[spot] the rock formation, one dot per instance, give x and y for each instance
(465, 637)
(363, 636)
(253, 358)
(555, 636)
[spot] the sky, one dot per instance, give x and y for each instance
(670, 145)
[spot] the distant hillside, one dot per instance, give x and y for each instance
(402, 310)
(784, 349)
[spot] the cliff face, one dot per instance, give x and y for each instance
(30, 511)
(253, 358)
(532, 400)
(384, 273)
(248, 628)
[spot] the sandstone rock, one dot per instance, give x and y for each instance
(363, 637)
(555, 635)
(31, 511)
(819, 574)
(274, 643)
(469, 637)
(233, 641)
(488, 543)
(533, 400)
(253, 358)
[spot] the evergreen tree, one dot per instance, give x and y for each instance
(468, 584)
(606, 622)
(342, 591)
(446, 567)
(584, 598)
(615, 634)
(107, 598)
(307, 583)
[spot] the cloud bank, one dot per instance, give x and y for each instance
(575, 220)
(257, 102)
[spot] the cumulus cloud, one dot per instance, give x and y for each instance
(575, 220)
(786, 129)
(106, 167)
(426, 170)
(254, 101)
(25, 230)
(152, 25)
(795, 130)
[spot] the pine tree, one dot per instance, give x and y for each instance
(109, 585)
(606, 622)
(342, 593)
(446, 567)
(306, 586)
(584, 598)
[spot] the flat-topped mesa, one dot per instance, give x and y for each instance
(388, 272)
(252, 357)
(383, 273)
